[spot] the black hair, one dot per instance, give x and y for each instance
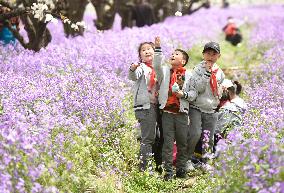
(184, 54)
(140, 46)
(237, 88)
(225, 96)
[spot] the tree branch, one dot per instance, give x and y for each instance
(17, 35)
(15, 13)
(29, 27)
(6, 4)
(56, 15)
(206, 5)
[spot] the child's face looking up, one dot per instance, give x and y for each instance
(210, 56)
(177, 60)
(146, 53)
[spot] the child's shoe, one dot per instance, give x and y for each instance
(189, 166)
(168, 177)
(181, 173)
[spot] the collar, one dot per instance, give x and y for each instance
(215, 66)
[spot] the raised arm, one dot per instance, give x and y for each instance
(157, 61)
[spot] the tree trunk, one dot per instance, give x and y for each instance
(39, 36)
(125, 10)
(164, 6)
(225, 4)
(105, 10)
(201, 3)
(74, 10)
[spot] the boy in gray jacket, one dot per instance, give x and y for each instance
(206, 79)
(174, 97)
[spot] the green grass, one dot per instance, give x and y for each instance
(234, 59)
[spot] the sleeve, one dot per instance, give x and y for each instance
(224, 28)
(222, 77)
(190, 93)
(199, 79)
(136, 74)
(220, 88)
(222, 121)
(157, 63)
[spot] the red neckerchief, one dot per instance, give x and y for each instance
(213, 82)
(178, 71)
(173, 104)
(152, 77)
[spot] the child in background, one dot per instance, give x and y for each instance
(206, 79)
(145, 99)
(232, 32)
(6, 35)
(174, 97)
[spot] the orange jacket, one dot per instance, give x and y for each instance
(230, 29)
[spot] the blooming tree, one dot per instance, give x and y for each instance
(35, 15)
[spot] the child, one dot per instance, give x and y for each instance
(231, 112)
(197, 157)
(6, 36)
(206, 79)
(229, 115)
(232, 32)
(174, 99)
(145, 99)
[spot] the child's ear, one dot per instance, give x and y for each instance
(183, 62)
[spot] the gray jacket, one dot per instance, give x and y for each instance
(230, 115)
(163, 77)
(200, 81)
(141, 93)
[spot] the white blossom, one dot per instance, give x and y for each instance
(107, 7)
(178, 13)
(48, 17)
(54, 20)
(38, 10)
(37, 16)
(66, 20)
(40, 7)
(82, 24)
(41, 10)
(74, 26)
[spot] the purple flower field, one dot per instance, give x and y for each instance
(256, 149)
(64, 111)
